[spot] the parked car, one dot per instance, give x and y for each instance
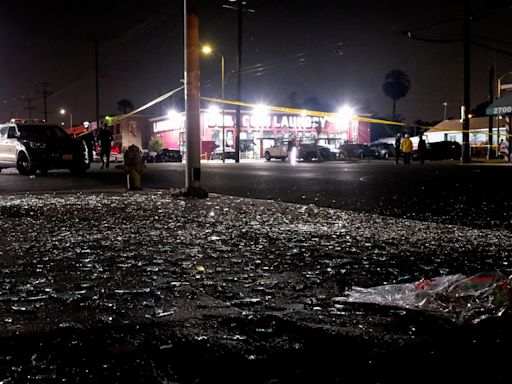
(167, 155)
(148, 156)
(444, 150)
(383, 150)
(327, 152)
(306, 150)
(229, 153)
(358, 151)
(37, 146)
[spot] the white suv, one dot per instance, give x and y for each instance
(32, 147)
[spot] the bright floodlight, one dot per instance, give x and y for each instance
(346, 113)
(172, 114)
(260, 109)
(213, 109)
(207, 49)
(62, 111)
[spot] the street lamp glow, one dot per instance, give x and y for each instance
(206, 49)
(63, 112)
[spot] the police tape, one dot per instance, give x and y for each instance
(301, 111)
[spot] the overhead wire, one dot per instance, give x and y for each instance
(144, 25)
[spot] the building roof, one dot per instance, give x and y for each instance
(474, 123)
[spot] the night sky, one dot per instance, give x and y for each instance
(337, 51)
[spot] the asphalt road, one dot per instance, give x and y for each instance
(474, 195)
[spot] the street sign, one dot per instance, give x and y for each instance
(502, 106)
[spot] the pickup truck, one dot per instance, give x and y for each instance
(305, 151)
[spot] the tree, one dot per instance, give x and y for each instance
(396, 85)
(155, 145)
(125, 106)
(480, 109)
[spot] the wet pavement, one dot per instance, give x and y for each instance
(145, 287)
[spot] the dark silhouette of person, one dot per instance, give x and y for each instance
(397, 147)
(105, 140)
(422, 149)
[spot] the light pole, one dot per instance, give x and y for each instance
(63, 112)
(508, 139)
(208, 50)
(445, 104)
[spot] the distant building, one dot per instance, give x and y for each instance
(134, 129)
(259, 130)
(451, 130)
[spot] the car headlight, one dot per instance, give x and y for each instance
(36, 145)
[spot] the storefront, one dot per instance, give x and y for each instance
(259, 130)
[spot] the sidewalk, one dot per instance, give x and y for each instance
(144, 287)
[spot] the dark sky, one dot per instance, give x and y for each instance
(337, 51)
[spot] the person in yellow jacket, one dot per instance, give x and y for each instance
(406, 149)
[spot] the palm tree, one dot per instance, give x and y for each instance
(125, 106)
(396, 85)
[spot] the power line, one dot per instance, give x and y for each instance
(45, 92)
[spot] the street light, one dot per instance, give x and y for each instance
(445, 104)
(63, 112)
(207, 50)
(505, 87)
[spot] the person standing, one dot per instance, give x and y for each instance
(105, 140)
(406, 148)
(397, 148)
(422, 149)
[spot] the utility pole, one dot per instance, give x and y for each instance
(192, 102)
(29, 107)
(239, 80)
(97, 75)
(45, 92)
(466, 149)
(490, 153)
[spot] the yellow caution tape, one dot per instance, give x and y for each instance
(301, 111)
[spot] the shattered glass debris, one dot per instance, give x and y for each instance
(87, 261)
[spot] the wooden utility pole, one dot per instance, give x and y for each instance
(192, 102)
(96, 70)
(29, 107)
(239, 81)
(45, 92)
(466, 149)
(490, 152)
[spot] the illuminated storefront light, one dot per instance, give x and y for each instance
(260, 117)
(214, 117)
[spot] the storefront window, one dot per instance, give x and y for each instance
(268, 134)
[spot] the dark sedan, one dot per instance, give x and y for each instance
(167, 155)
(383, 150)
(444, 150)
(351, 151)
